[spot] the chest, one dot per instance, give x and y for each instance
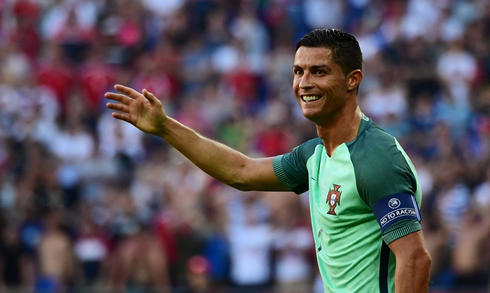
(334, 197)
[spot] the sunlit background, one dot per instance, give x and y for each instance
(90, 204)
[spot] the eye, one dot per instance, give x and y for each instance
(297, 71)
(320, 72)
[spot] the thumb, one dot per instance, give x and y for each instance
(150, 97)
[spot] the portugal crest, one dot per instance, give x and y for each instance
(333, 199)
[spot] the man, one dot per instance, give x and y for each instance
(364, 194)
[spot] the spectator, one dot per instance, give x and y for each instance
(250, 237)
(12, 259)
(141, 263)
(56, 262)
(292, 245)
(90, 249)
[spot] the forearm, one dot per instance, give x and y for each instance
(145, 112)
(412, 274)
(218, 160)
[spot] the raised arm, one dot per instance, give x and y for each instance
(145, 111)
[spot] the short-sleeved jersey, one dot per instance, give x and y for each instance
(362, 198)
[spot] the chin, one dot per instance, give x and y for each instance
(319, 118)
(310, 116)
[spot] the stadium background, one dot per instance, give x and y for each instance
(89, 204)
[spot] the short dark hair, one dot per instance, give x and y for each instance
(345, 48)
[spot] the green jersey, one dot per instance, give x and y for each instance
(362, 198)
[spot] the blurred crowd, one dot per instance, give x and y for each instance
(91, 203)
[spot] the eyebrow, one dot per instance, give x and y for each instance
(313, 67)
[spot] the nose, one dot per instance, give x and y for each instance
(305, 81)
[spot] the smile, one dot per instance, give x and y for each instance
(310, 98)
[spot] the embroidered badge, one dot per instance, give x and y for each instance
(333, 199)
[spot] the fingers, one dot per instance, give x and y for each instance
(118, 107)
(151, 97)
(121, 108)
(129, 94)
(120, 116)
(119, 98)
(126, 96)
(127, 91)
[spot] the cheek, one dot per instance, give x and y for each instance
(295, 85)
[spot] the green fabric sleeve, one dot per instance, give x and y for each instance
(291, 168)
(400, 229)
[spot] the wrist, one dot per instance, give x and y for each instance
(164, 127)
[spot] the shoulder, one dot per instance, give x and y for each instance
(307, 149)
(381, 165)
(298, 157)
(291, 168)
(376, 148)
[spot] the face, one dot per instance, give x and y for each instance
(319, 84)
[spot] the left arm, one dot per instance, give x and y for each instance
(412, 263)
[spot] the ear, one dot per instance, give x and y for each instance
(354, 80)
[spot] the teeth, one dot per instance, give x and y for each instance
(310, 98)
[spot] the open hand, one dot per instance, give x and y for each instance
(143, 110)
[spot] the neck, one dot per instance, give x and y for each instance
(342, 129)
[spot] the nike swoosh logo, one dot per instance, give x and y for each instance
(313, 178)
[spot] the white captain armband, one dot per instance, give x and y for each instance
(395, 208)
